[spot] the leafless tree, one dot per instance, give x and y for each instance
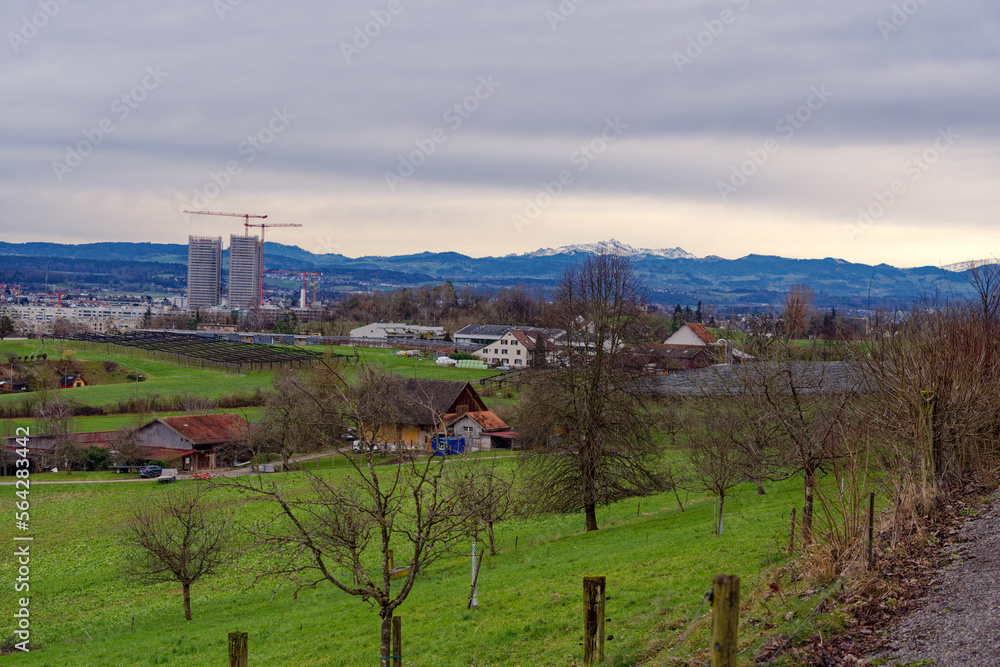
(717, 461)
(489, 495)
(178, 537)
(798, 302)
(984, 277)
(931, 379)
(301, 415)
(126, 448)
(802, 406)
(347, 531)
(54, 418)
(585, 419)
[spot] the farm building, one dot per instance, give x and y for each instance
(192, 440)
(691, 334)
(481, 429)
(416, 408)
(72, 381)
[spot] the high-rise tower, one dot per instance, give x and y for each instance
(244, 271)
(204, 271)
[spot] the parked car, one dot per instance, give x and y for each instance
(504, 368)
(360, 446)
(150, 471)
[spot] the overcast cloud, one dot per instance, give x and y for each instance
(728, 127)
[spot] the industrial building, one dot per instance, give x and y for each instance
(204, 283)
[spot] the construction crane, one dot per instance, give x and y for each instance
(305, 282)
(246, 218)
(263, 226)
(246, 232)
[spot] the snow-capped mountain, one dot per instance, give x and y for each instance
(611, 247)
(965, 266)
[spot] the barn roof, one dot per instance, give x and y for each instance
(206, 429)
(702, 333)
(485, 418)
(420, 402)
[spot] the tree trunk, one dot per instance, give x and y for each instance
(722, 505)
(678, 497)
(807, 509)
(489, 533)
(385, 639)
(187, 601)
(591, 511)
(760, 488)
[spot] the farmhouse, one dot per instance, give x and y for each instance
(481, 429)
(416, 410)
(72, 381)
(515, 348)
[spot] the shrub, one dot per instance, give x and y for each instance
(95, 458)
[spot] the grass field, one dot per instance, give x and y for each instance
(117, 422)
(166, 379)
(659, 561)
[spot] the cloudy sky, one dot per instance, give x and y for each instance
(861, 129)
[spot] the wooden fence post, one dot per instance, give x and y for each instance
(791, 534)
(871, 528)
(925, 443)
(593, 620)
(725, 620)
(239, 649)
(397, 641)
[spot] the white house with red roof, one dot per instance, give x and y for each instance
(482, 430)
(691, 334)
(515, 348)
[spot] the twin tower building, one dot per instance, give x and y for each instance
(204, 283)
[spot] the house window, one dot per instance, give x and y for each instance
(467, 429)
(517, 362)
(519, 353)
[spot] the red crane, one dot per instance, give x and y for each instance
(246, 232)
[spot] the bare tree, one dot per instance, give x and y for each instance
(716, 460)
(348, 531)
(54, 418)
(585, 419)
(932, 379)
(178, 537)
(489, 496)
(798, 302)
(801, 406)
(301, 415)
(984, 277)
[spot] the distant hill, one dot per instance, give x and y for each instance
(670, 275)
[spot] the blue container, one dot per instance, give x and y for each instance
(448, 446)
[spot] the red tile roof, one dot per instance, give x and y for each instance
(701, 332)
(485, 418)
(207, 429)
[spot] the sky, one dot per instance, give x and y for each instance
(863, 129)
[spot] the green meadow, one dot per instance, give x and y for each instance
(659, 562)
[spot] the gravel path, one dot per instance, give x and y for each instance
(959, 622)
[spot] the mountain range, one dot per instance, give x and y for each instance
(670, 275)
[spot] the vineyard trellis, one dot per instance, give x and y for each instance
(192, 350)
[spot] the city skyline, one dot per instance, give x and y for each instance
(861, 131)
